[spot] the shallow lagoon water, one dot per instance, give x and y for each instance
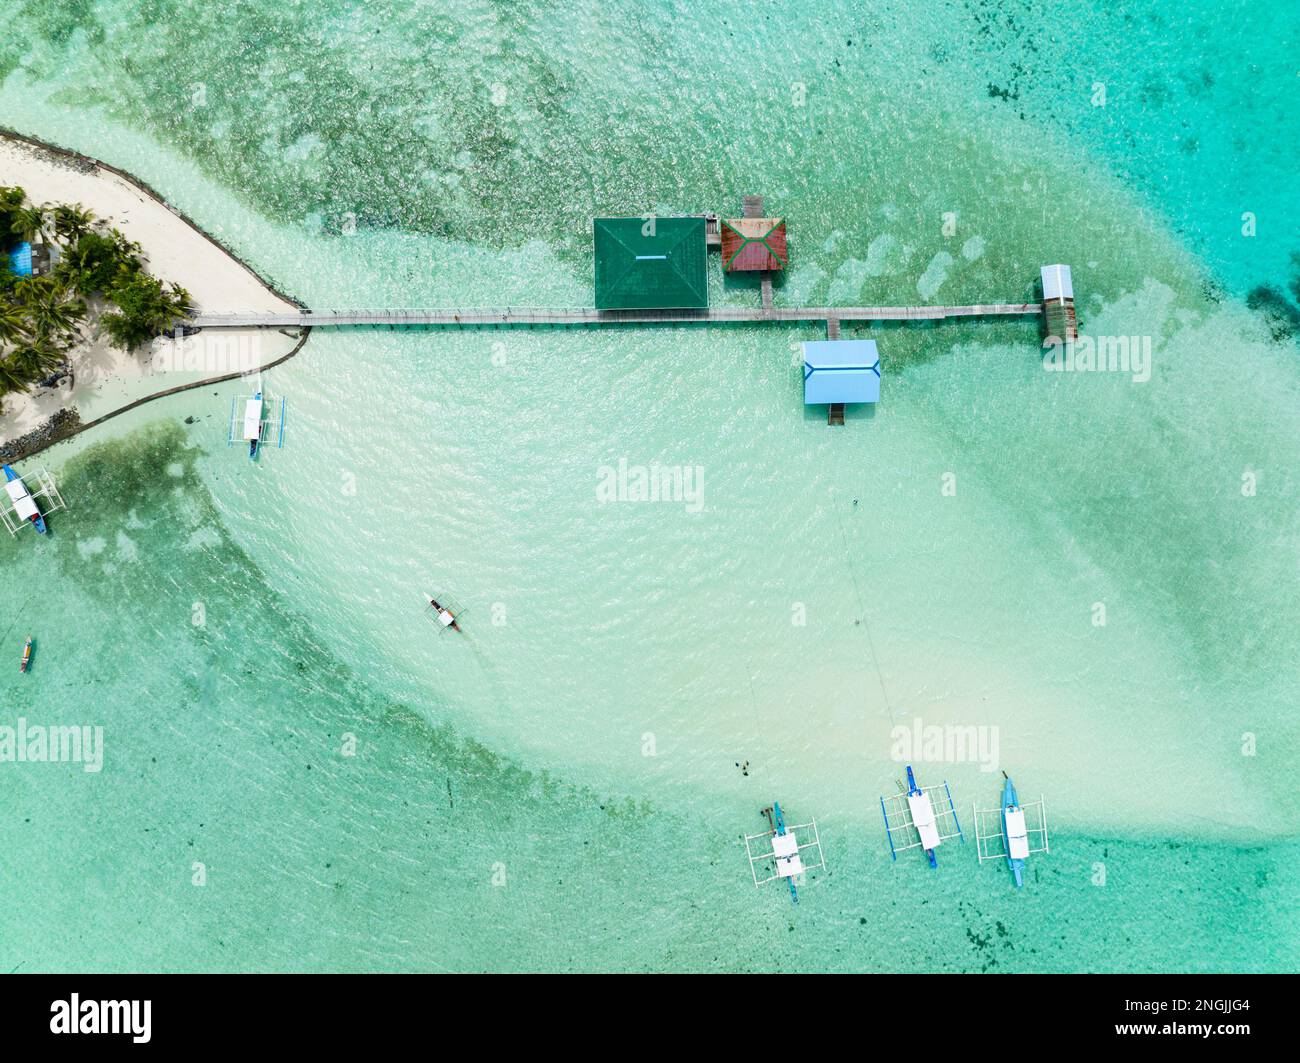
(469, 462)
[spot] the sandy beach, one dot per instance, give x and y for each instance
(105, 378)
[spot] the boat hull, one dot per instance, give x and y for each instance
(1011, 804)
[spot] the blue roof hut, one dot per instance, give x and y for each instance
(837, 372)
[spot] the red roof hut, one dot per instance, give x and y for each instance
(754, 244)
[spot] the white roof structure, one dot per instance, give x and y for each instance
(1057, 282)
(445, 618)
(252, 419)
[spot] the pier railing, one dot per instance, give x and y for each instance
(477, 317)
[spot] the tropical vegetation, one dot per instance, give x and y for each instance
(96, 274)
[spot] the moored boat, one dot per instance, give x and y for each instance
(23, 503)
(27, 656)
(920, 817)
(1013, 830)
(444, 615)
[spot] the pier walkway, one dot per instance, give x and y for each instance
(480, 317)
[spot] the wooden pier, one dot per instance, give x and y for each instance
(511, 316)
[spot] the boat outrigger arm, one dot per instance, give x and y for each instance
(920, 816)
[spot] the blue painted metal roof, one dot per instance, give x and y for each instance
(20, 260)
(840, 371)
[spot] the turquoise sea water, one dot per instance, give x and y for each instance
(230, 625)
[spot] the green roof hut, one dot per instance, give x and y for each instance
(651, 264)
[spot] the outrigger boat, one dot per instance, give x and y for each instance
(918, 816)
(785, 857)
(258, 426)
(27, 655)
(24, 504)
(1017, 837)
(445, 617)
(18, 505)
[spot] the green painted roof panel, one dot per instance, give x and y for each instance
(651, 263)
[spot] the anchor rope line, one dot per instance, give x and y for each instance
(866, 626)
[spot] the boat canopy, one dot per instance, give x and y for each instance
(1017, 838)
(253, 419)
(785, 847)
(445, 618)
(923, 819)
(23, 504)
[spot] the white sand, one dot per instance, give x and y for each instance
(106, 378)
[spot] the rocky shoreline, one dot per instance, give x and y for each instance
(62, 424)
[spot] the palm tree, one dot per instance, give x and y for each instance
(11, 377)
(72, 222)
(36, 359)
(13, 323)
(51, 309)
(30, 223)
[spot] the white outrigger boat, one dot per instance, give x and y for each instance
(920, 816)
(783, 854)
(1012, 831)
(444, 612)
(20, 507)
(259, 423)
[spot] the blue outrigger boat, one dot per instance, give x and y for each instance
(1014, 838)
(257, 427)
(23, 503)
(1013, 830)
(919, 816)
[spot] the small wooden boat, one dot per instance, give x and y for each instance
(444, 615)
(23, 503)
(27, 655)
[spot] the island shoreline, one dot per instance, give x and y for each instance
(65, 423)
